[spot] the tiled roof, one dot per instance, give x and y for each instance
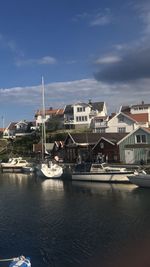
(50, 112)
(141, 117)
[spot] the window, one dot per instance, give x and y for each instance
(121, 119)
(140, 138)
(100, 130)
(121, 130)
(80, 109)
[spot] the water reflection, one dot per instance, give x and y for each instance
(20, 179)
(104, 188)
(54, 185)
(69, 224)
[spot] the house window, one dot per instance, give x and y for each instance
(120, 119)
(100, 130)
(80, 109)
(140, 138)
(121, 130)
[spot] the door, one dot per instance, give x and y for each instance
(129, 156)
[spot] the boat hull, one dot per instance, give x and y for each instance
(141, 180)
(52, 172)
(102, 177)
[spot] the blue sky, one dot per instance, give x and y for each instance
(85, 49)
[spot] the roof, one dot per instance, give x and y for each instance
(97, 106)
(93, 138)
(123, 114)
(11, 126)
(147, 130)
(50, 112)
(125, 109)
(68, 109)
(140, 105)
(142, 117)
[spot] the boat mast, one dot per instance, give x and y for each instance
(43, 121)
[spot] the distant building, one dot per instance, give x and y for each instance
(49, 114)
(80, 115)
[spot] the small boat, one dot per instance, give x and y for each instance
(141, 179)
(20, 262)
(100, 172)
(14, 163)
(28, 169)
(50, 170)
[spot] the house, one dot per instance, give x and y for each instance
(80, 115)
(139, 112)
(89, 145)
(126, 120)
(121, 123)
(135, 146)
(18, 129)
(48, 114)
(9, 131)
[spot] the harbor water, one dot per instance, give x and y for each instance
(68, 224)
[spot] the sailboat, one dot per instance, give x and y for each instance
(47, 169)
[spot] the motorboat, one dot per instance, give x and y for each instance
(21, 262)
(50, 170)
(29, 168)
(100, 172)
(141, 179)
(14, 163)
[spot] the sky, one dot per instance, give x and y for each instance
(84, 49)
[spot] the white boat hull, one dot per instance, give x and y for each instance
(53, 172)
(102, 177)
(142, 180)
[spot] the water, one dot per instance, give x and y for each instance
(69, 224)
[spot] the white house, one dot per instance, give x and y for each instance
(10, 130)
(49, 113)
(16, 129)
(138, 112)
(121, 123)
(80, 115)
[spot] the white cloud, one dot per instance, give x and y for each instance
(101, 19)
(22, 99)
(46, 60)
(108, 59)
(96, 17)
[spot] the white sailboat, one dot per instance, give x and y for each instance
(47, 169)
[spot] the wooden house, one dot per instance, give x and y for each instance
(135, 146)
(87, 146)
